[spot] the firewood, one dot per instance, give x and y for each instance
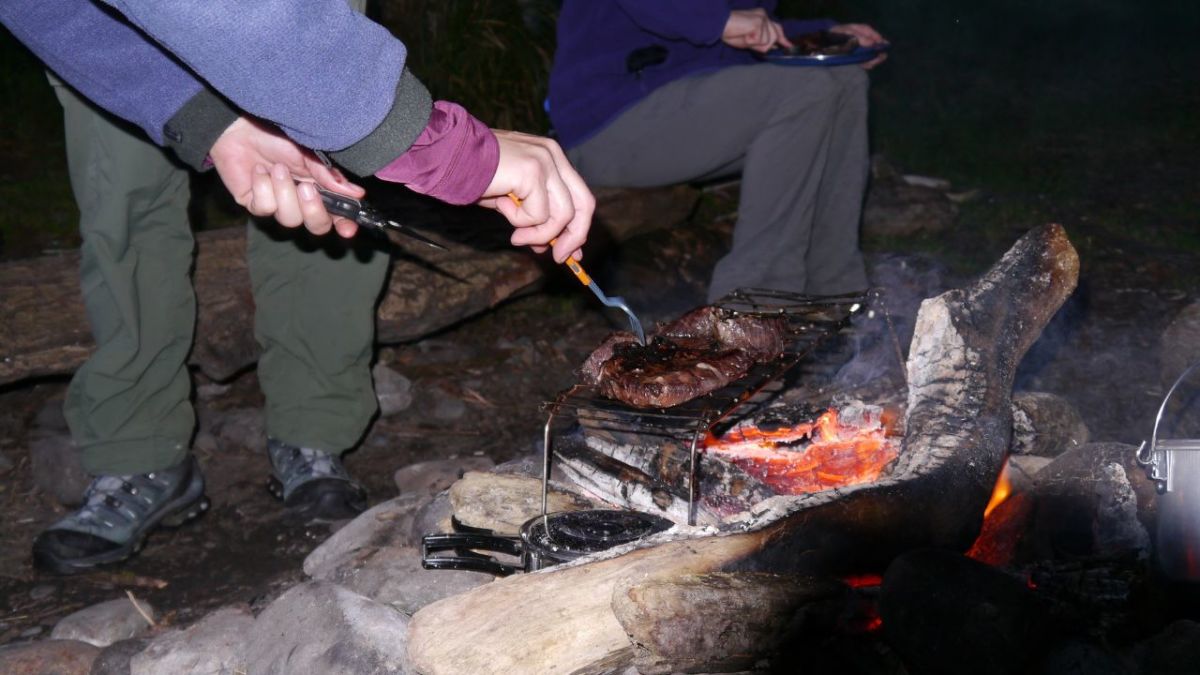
(46, 332)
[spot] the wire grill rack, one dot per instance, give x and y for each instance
(811, 321)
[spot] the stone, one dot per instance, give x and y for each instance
(51, 416)
(1046, 425)
(240, 428)
(214, 644)
(48, 657)
(105, 623)
(1091, 501)
(114, 659)
(393, 390)
(6, 464)
(434, 516)
(57, 467)
(898, 207)
(385, 524)
(945, 613)
(1180, 346)
(446, 407)
(1173, 651)
(42, 591)
(502, 503)
(430, 478)
(319, 628)
(393, 575)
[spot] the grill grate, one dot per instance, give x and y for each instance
(811, 321)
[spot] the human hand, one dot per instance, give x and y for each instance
(867, 37)
(268, 174)
(549, 200)
(753, 29)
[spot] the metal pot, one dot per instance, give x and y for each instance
(543, 541)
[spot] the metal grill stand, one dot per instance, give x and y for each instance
(811, 321)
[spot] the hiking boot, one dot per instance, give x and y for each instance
(313, 485)
(117, 514)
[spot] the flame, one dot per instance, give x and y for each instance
(811, 456)
(1000, 492)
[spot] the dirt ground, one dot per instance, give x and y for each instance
(479, 387)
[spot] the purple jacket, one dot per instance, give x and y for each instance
(590, 83)
(331, 79)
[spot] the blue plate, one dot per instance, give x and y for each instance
(859, 55)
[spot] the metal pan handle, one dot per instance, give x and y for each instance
(467, 560)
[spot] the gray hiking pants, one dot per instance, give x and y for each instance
(798, 135)
(129, 406)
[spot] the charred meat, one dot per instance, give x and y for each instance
(697, 353)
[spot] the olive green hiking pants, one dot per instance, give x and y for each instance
(129, 406)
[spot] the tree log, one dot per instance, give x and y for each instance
(959, 422)
(46, 331)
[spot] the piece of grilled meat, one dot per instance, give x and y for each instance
(697, 353)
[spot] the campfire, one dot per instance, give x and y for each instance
(834, 496)
(840, 448)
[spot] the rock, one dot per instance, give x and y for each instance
(6, 464)
(210, 391)
(114, 659)
(1091, 501)
(430, 478)
(240, 428)
(393, 390)
(622, 213)
(393, 576)
(1024, 469)
(446, 407)
(434, 516)
(1081, 658)
(214, 644)
(105, 623)
(56, 465)
(1046, 425)
(1180, 346)
(42, 591)
(320, 628)
(386, 524)
(896, 207)
(1174, 651)
(51, 416)
(502, 503)
(48, 657)
(944, 613)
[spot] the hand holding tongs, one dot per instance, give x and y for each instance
(366, 215)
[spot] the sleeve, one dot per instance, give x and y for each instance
(700, 22)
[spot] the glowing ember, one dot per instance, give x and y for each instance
(833, 451)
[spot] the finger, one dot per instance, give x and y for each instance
(332, 179)
(345, 227)
(287, 204)
(262, 195)
(316, 219)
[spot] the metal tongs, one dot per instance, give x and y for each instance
(366, 215)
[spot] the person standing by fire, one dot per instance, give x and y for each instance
(655, 93)
(271, 127)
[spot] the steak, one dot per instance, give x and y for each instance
(697, 353)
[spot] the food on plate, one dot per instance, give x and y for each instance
(821, 43)
(697, 353)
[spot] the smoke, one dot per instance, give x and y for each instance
(881, 334)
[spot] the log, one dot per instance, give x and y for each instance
(714, 623)
(46, 331)
(959, 420)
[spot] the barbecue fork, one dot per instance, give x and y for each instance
(584, 278)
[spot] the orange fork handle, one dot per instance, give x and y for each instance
(571, 263)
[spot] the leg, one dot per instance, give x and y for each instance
(128, 406)
(775, 125)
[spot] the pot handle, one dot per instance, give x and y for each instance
(466, 559)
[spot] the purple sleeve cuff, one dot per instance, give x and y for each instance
(454, 158)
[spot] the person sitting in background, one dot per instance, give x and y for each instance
(654, 93)
(272, 95)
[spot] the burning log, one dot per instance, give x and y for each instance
(958, 427)
(47, 332)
